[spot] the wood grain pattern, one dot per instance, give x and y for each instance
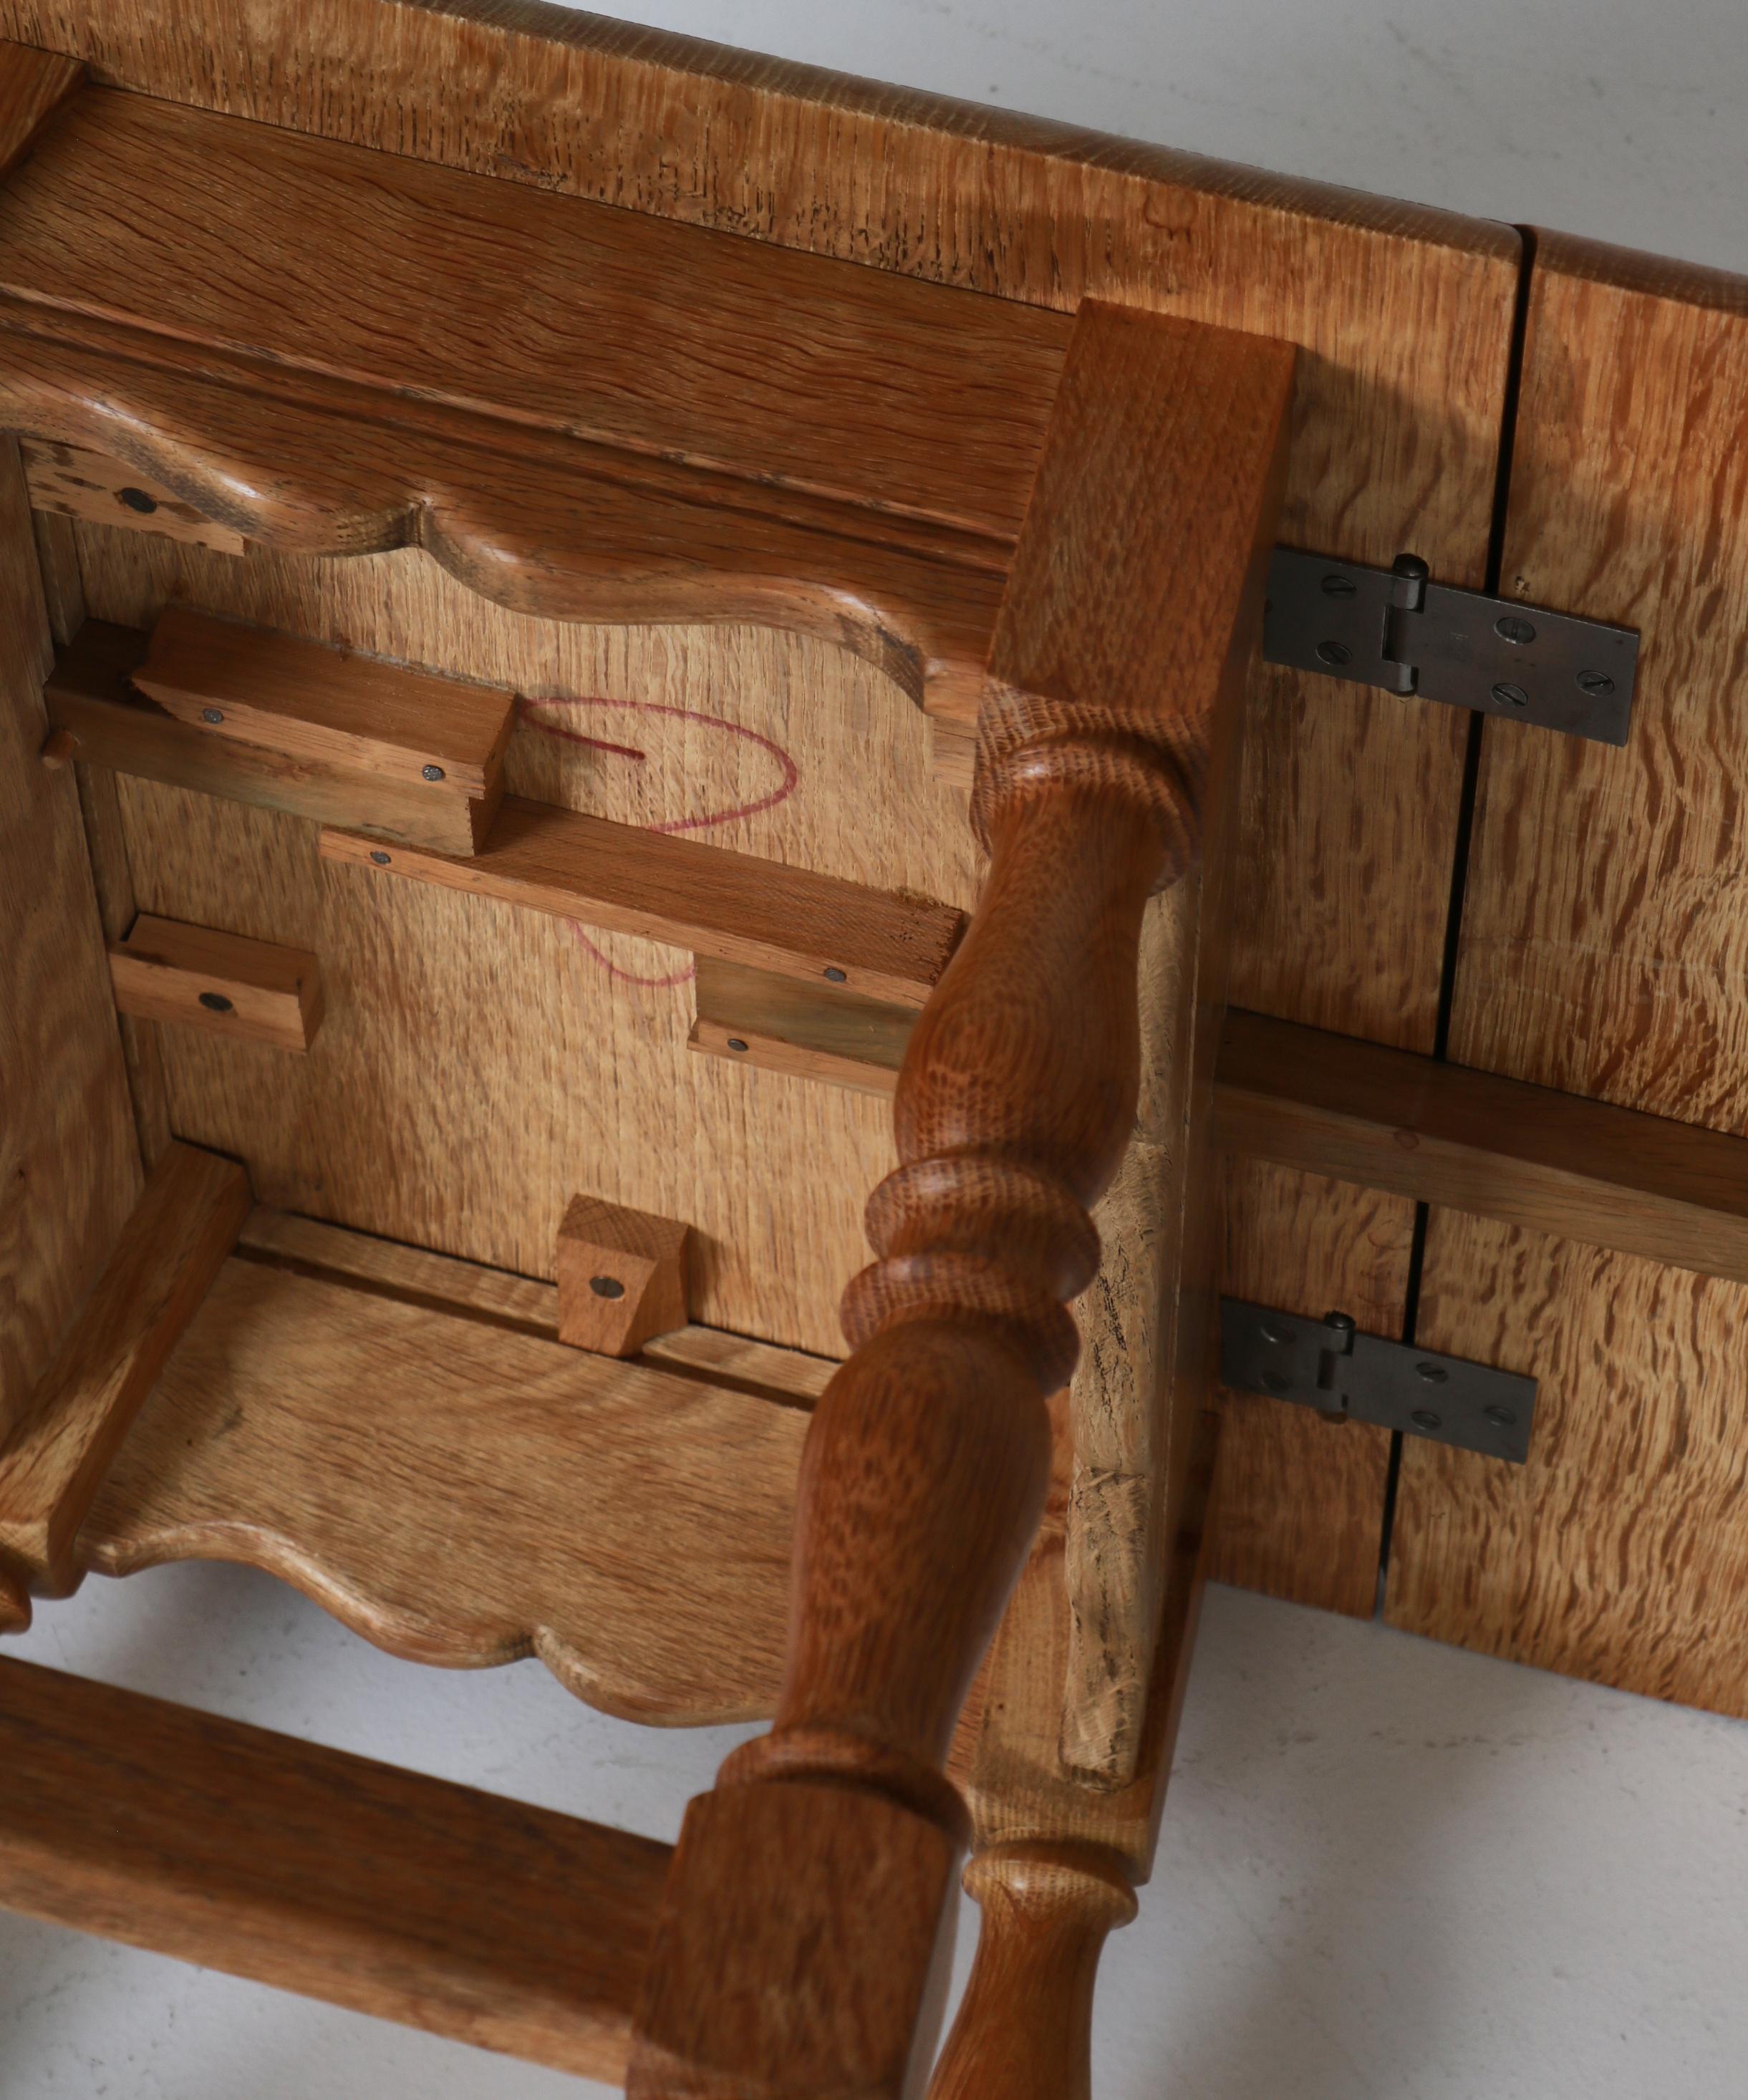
(1618, 1551)
(1558, 1163)
(59, 1442)
(89, 693)
(758, 1018)
(69, 1159)
(788, 1376)
(628, 1525)
(305, 701)
(928, 1457)
(70, 481)
(1024, 2025)
(196, 977)
(622, 1276)
(755, 739)
(737, 907)
(1602, 949)
(33, 85)
(479, 1918)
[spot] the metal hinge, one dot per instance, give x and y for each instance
(1397, 629)
(1327, 1364)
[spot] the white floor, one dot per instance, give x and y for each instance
(1390, 1871)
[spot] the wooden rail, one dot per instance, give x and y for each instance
(479, 1918)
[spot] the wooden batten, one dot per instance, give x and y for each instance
(621, 1277)
(735, 907)
(90, 693)
(196, 977)
(305, 700)
(54, 1454)
(780, 1025)
(1495, 1148)
(71, 481)
(482, 1919)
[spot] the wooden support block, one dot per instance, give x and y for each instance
(482, 1919)
(780, 1025)
(735, 907)
(1495, 1148)
(68, 481)
(621, 1277)
(90, 693)
(305, 700)
(54, 1454)
(199, 977)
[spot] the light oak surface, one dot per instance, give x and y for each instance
(479, 1918)
(628, 1525)
(71, 481)
(196, 977)
(58, 1443)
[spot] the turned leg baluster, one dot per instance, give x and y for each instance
(796, 1941)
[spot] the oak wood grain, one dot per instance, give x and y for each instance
(1601, 954)
(196, 977)
(482, 1919)
(1560, 1164)
(788, 1376)
(628, 1525)
(70, 1158)
(738, 907)
(305, 701)
(33, 85)
(90, 692)
(57, 1442)
(71, 481)
(622, 1276)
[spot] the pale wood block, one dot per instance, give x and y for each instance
(54, 1454)
(309, 701)
(510, 1927)
(199, 977)
(90, 692)
(621, 1277)
(757, 1017)
(69, 481)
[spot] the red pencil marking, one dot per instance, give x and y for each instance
(631, 977)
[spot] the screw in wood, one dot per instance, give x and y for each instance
(1511, 696)
(607, 1286)
(1335, 586)
(834, 976)
(1509, 628)
(215, 1002)
(1333, 654)
(735, 1043)
(136, 499)
(1424, 1417)
(430, 772)
(212, 714)
(1598, 685)
(380, 858)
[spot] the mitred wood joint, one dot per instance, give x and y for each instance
(621, 1277)
(90, 693)
(54, 1454)
(198, 977)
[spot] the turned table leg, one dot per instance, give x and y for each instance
(803, 1905)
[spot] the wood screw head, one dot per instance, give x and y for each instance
(1509, 628)
(1425, 1419)
(136, 499)
(430, 772)
(1511, 696)
(834, 976)
(215, 1002)
(1334, 586)
(735, 1043)
(1502, 1416)
(1434, 1374)
(212, 714)
(1598, 685)
(1333, 653)
(607, 1286)
(380, 858)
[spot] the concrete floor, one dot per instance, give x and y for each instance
(1390, 1870)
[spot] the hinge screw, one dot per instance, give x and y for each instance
(1424, 1417)
(1509, 628)
(1511, 696)
(1597, 684)
(1502, 1416)
(1333, 654)
(1339, 586)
